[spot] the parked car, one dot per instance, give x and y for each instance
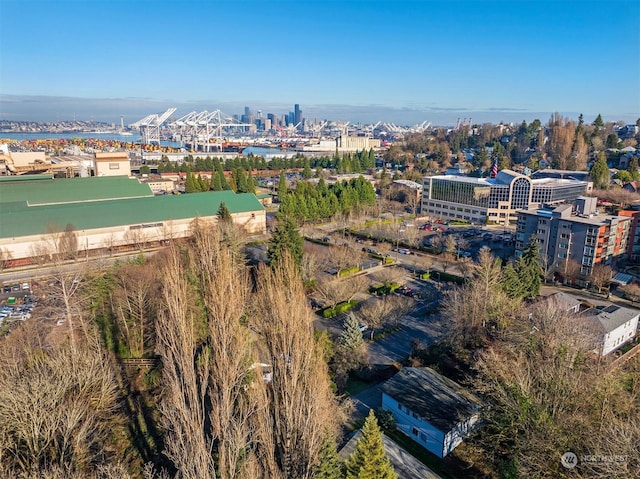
(6, 289)
(15, 287)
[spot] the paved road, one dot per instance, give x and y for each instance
(395, 347)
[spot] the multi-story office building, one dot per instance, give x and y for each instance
(573, 234)
(494, 200)
(297, 114)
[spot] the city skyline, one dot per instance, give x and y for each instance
(402, 62)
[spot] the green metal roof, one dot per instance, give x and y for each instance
(19, 178)
(45, 191)
(17, 219)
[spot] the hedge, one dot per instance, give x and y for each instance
(348, 271)
(453, 278)
(384, 289)
(339, 309)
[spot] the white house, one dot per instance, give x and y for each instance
(431, 409)
(618, 325)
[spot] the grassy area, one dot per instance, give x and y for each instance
(355, 386)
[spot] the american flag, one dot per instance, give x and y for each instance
(494, 169)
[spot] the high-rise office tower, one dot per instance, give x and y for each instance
(297, 114)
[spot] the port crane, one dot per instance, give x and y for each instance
(204, 130)
(149, 126)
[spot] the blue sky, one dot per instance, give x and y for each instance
(401, 61)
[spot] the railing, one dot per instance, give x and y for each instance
(625, 357)
(146, 362)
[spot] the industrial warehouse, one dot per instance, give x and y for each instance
(44, 216)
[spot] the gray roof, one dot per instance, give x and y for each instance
(611, 317)
(405, 465)
(566, 301)
(436, 399)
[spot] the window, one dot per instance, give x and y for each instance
(414, 431)
(114, 166)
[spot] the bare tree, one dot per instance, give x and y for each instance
(58, 407)
(68, 243)
(63, 294)
(600, 275)
(542, 361)
(631, 291)
(571, 270)
(412, 236)
(375, 313)
(224, 287)
(343, 257)
(399, 308)
(299, 406)
(5, 258)
(331, 292)
(136, 237)
(135, 288)
(389, 275)
(183, 408)
(41, 252)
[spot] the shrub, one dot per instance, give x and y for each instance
(339, 309)
(348, 271)
(425, 276)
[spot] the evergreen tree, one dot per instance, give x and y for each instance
(224, 214)
(530, 269)
(481, 158)
(633, 169)
(190, 183)
(306, 172)
(351, 337)
(600, 172)
(251, 183)
(285, 239)
(201, 183)
(369, 460)
(241, 181)
(330, 466)
(216, 185)
(598, 123)
(282, 185)
(511, 282)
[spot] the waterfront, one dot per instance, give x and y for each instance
(84, 135)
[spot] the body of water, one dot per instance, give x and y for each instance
(268, 152)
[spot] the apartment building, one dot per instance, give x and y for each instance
(573, 233)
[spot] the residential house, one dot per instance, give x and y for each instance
(617, 325)
(431, 409)
(565, 301)
(405, 465)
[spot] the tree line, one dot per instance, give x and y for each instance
(309, 202)
(342, 163)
